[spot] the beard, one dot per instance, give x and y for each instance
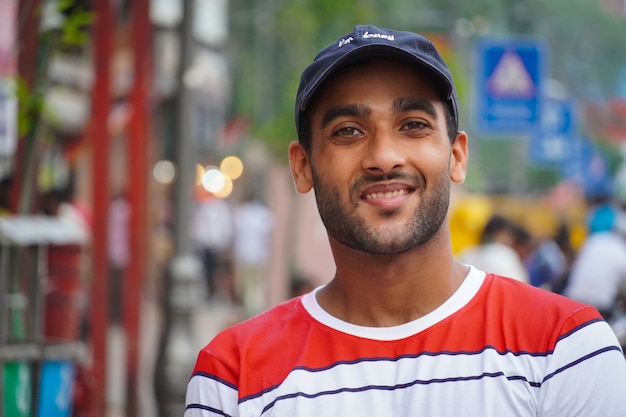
(353, 231)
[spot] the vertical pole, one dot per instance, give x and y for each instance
(138, 150)
(100, 146)
(185, 158)
(27, 69)
(170, 376)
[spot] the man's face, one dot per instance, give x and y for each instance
(381, 160)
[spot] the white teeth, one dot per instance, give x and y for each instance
(387, 194)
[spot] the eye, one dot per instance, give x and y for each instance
(414, 125)
(347, 132)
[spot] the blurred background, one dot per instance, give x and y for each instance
(145, 196)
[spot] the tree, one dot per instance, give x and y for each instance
(276, 38)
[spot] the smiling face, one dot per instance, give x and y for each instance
(381, 160)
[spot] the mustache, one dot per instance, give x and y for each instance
(416, 180)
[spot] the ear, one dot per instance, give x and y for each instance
(300, 168)
(458, 158)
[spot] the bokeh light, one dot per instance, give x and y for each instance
(199, 174)
(164, 172)
(213, 180)
(226, 190)
(232, 167)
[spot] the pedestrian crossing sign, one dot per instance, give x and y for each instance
(510, 78)
(509, 81)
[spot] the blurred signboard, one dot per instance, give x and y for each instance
(509, 80)
(588, 168)
(553, 142)
(56, 388)
(18, 385)
(8, 117)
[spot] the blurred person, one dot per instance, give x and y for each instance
(212, 233)
(601, 217)
(548, 261)
(598, 275)
(253, 226)
(496, 251)
(118, 252)
(564, 242)
(403, 328)
(602, 210)
(60, 203)
(542, 258)
(523, 241)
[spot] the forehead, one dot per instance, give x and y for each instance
(366, 78)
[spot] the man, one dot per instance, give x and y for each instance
(403, 329)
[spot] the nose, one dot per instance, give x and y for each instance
(383, 153)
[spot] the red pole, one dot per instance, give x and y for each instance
(138, 151)
(27, 68)
(101, 195)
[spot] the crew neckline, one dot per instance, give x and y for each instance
(463, 295)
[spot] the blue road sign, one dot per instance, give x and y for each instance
(552, 143)
(588, 168)
(509, 82)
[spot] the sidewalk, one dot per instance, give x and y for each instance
(207, 321)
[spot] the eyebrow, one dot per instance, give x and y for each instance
(353, 110)
(413, 103)
(400, 105)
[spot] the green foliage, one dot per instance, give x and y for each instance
(30, 107)
(586, 44)
(74, 28)
(72, 33)
(542, 179)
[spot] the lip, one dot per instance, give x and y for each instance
(387, 196)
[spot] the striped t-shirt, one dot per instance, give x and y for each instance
(497, 347)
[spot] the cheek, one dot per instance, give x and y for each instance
(334, 174)
(431, 159)
(334, 165)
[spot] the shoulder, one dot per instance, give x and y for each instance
(515, 295)
(264, 325)
(256, 349)
(537, 317)
(260, 332)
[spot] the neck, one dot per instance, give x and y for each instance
(388, 290)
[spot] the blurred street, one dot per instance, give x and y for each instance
(146, 201)
(206, 322)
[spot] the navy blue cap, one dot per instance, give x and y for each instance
(368, 41)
